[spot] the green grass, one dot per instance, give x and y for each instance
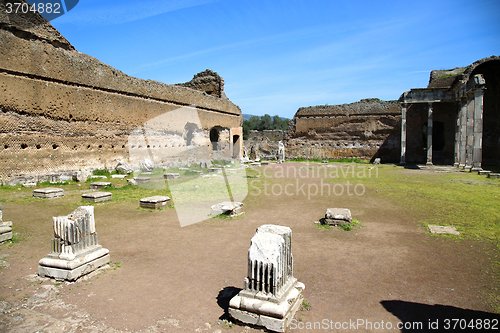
(444, 199)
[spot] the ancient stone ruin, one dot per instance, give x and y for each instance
(366, 129)
(455, 119)
(5, 228)
(229, 208)
(98, 108)
(48, 193)
(154, 202)
(336, 216)
(75, 250)
(271, 294)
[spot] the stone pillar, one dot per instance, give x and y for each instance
(457, 137)
(403, 134)
(477, 152)
(463, 132)
(469, 145)
(271, 294)
(75, 250)
(429, 134)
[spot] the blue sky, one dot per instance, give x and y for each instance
(276, 56)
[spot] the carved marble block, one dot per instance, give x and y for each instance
(5, 229)
(271, 294)
(75, 250)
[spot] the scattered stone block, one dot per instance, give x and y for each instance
(48, 193)
(75, 250)
(118, 176)
(97, 196)
(99, 185)
(124, 168)
(264, 163)
(336, 216)
(142, 179)
(171, 175)
(147, 165)
(5, 228)
(377, 161)
(494, 175)
(438, 229)
(255, 164)
(483, 172)
(324, 161)
(29, 185)
(214, 169)
(131, 181)
(229, 208)
(154, 202)
(271, 294)
(98, 177)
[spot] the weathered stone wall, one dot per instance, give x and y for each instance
(263, 144)
(366, 129)
(64, 110)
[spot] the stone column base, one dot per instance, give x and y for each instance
(273, 316)
(5, 231)
(73, 269)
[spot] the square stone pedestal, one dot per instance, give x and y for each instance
(48, 193)
(97, 196)
(99, 185)
(71, 270)
(260, 312)
(142, 180)
(5, 231)
(154, 202)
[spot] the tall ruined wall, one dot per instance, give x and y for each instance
(63, 110)
(365, 129)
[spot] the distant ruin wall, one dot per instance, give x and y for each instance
(63, 110)
(263, 144)
(366, 129)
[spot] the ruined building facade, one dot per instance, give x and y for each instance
(64, 110)
(456, 119)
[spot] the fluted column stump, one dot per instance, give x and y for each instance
(75, 250)
(271, 294)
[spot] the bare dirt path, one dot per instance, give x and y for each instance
(164, 278)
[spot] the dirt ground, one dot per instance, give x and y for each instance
(164, 278)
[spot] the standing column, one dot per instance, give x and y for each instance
(429, 134)
(463, 132)
(403, 134)
(457, 136)
(477, 152)
(470, 132)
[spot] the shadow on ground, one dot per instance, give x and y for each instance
(223, 299)
(435, 318)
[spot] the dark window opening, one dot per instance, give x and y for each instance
(214, 138)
